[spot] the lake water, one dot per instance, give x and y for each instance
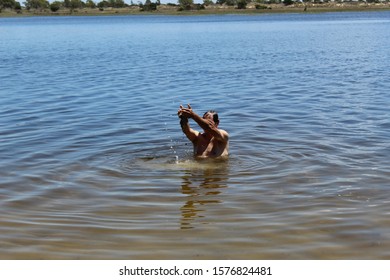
(93, 163)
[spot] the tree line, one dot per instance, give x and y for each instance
(56, 5)
(148, 5)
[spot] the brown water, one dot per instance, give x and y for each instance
(93, 164)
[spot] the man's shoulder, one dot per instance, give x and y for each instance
(224, 132)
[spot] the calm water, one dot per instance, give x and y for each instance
(90, 137)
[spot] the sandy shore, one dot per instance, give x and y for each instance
(212, 9)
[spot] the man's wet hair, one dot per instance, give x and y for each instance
(214, 114)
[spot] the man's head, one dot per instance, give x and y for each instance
(212, 115)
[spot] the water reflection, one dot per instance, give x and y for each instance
(202, 184)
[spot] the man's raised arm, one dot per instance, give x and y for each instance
(191, 134)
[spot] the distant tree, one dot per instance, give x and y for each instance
(7, 4)
(90, 4)
(18, 7)
(102, 4)
(148, 6)
(208, 2)
(75, 4)
(199, 7)
(116, 3)
(186, 4)
(241, 4)
(36, 4)
(55, 6)
(288, 2)
(227, 2)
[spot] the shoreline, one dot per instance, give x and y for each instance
(209, 10)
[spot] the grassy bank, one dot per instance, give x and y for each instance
(212, 9)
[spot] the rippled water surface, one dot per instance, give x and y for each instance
(93, 163)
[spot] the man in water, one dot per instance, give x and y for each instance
(213, 142)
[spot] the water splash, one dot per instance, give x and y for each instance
(172, 144)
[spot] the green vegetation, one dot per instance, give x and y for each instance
(65, 7)
(186, 5)
(149, 6)
(55, 6)
(10, 4)
(241, 4)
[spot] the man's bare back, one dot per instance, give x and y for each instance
(213, 142)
